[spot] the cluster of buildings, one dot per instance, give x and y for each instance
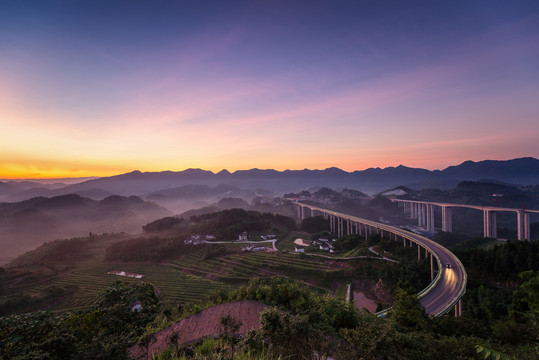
(253, 247)
(198, 239)
(322, 244)
(244, 236)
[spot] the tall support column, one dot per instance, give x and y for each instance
(404, 242)
(302, 213)
(428, 209)
(458, 308)
(422, 221)
(431, 268)
(431, 218)
(418, 252)
(489, 224)
(447, 219)
(523, 225)
(527, 235)
(494, 228)
(486, 224)
(425, 215)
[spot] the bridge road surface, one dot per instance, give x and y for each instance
(447, 288)
(451, 280)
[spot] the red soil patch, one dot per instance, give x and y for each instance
(370, 293)
(204, 324)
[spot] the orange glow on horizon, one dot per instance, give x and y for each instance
(57, 170)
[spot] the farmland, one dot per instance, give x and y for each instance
(186, 279)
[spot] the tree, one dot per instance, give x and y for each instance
(229, 332)
(407, 311)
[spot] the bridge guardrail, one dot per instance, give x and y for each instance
(456, 298)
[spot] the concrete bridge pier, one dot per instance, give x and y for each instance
(523, 225)
(428, 214)
(431, 268)
(447, 219)
(489, 224)
(431, 227)
(458, 308)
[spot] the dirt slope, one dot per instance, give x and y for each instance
(205, 323)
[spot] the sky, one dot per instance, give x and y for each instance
(103, 87)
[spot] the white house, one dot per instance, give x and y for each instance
(244, 236)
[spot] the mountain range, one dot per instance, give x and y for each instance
(521, 171)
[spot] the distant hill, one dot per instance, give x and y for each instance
(159, 186)
(27, 224)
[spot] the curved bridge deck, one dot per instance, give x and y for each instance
(449, 285)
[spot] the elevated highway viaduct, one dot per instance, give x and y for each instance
(423, 211)
(448, 286)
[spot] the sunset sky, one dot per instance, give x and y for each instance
(102, 87)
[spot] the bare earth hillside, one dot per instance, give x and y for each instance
(205, 323)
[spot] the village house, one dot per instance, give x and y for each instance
(252, 247)
(299, 249)
(324, 247)
(195, 239)
(244, 236)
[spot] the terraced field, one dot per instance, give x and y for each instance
(189, 278)
(173, 284)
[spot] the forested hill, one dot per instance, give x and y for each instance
(27, 224)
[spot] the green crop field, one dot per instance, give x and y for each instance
(190, 277)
